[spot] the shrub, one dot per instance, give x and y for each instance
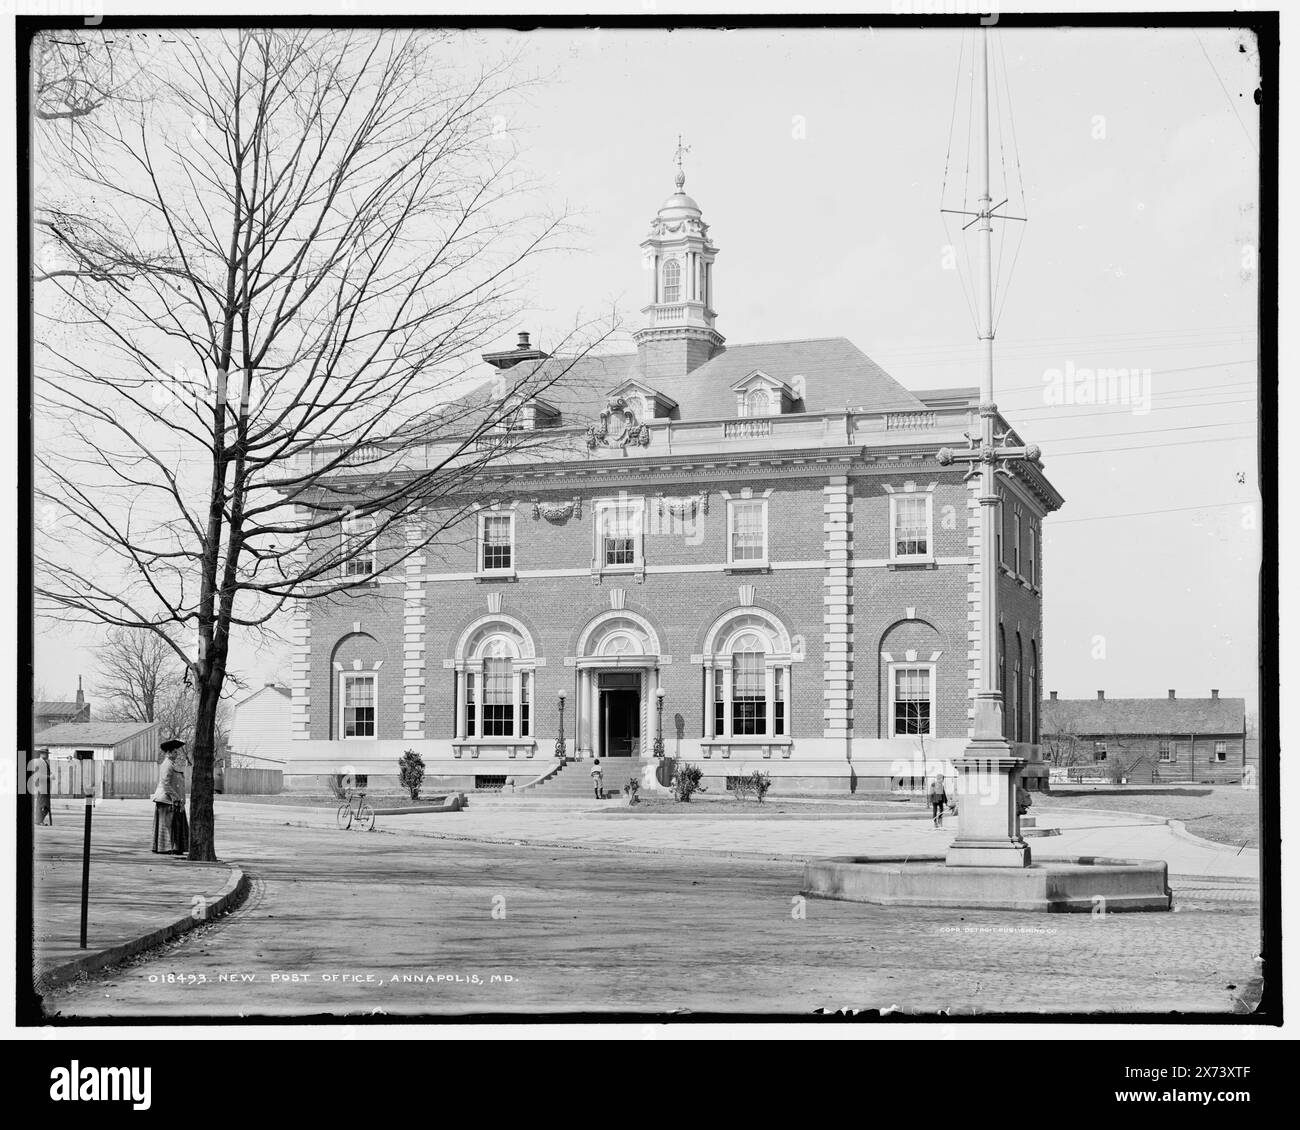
(686, 780)
(756, 785)
(410, 772)
(632, 790)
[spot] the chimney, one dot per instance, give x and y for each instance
(1053, 693)
(1171, 692)
(1101, 696)
(523, 341)
(81, 698)
(1214, 693)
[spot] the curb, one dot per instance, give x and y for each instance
(1177, 827)
(232, 894)
(1180, 829)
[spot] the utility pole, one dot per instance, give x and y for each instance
(988, 771)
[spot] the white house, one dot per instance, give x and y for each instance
(262, 724)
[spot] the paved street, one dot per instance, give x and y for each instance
(646, 915)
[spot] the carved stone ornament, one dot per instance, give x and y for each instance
(618, 427)
(557, 512)
(683, 507)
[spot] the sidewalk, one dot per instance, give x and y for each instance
(600, 824)
(137, 899)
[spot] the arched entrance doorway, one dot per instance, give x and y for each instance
(618, 675)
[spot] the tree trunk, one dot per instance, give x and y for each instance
(203, 841)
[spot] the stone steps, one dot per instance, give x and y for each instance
(574, 780)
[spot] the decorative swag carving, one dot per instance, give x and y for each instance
(557, 511)
(684, 507)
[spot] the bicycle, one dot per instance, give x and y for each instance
(362, 814)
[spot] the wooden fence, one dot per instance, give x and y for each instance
(127, 779)
(251, 781)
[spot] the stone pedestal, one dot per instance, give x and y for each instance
(988, 826)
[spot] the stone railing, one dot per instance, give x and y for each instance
(909, 421)
(746, 429)
(669, 315)
(566, 443)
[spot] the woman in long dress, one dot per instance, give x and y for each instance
(169, 802)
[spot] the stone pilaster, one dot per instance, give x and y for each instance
(413, 642)
(972, 600)
(837, 605)
(300, 675)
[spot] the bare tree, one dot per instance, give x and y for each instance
(135, 667)
(305, 237)
(1063, 750)
(142, 679)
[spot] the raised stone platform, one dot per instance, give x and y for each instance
(1081, 884)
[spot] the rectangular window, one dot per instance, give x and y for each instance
(719, 705)
(358, 706)
(1015, 549)
(525, 702)
(498, 705)
(778, 706)
(619, 530)
(748, 520)
(1033, 555)
(497, 540)
(911, 522)
(471, 701)
(358, 548)
(1220, 751)
(913, 701)
(1166, 751)
(1099, 751)
(748, 694)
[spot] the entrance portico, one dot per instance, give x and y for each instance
(618, 674)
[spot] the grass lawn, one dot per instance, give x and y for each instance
(322, 800)
(807, 808)
(1226, 814)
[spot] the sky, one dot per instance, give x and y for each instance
(819, 157)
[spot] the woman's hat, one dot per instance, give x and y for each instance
(171, 744)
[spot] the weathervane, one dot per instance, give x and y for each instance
(678, 153)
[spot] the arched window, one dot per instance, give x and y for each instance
(747, 672)
(1033, 691)
(672, 281)
(758, 403)
(1002, 662)
(1017, 727)
(494, 673)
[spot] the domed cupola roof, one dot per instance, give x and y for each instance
(679, 206)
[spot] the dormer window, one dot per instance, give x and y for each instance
(672, 281)
(762, 395)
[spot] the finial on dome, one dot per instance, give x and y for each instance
(680, 179)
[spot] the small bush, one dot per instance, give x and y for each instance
(686, 781)
(632, 790)
(410, 772)
(754, 785)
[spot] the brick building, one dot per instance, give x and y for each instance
(1147, 739)
(759, 537)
